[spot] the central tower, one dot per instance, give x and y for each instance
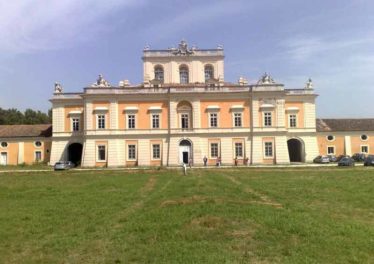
(183, 65)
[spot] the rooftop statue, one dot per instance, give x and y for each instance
(101, 82)
(182, 49)
(58, 87)
(309, 84)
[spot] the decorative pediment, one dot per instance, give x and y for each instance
(182, 49)
(101, 82)
(266, 79)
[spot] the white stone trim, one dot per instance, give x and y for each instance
(213, 107)
(292, 109)
(237, 107)
(267, 106)
(78, 112)
(155, 108)
(131, 108)
(101, 108)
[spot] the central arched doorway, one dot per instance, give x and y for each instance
(295, 150)
(185, 151)
(75, 153)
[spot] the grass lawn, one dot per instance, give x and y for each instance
(210, 216)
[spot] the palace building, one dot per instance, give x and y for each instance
(184, 110)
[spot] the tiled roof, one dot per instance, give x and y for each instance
(11, 131)
(346, 124)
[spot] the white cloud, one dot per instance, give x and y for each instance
(197, 15)
(27, 25)
(302, 48)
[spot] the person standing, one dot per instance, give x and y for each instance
(205, 160)
(236, 161)
(190, 163)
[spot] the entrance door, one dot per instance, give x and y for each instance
(295, 150)
(185, 152)
(4, 158)
(185, 157)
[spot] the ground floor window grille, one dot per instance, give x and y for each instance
(331, 150)
(38, 156)
(364, 149)
(156, 151)
(238, 150)
(131, 152)
(214, 150)
(101, 153)
(268, 149)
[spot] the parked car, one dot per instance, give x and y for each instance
(359, 157)
(346, 161)
(342, 156)
(369, 161)
(321, 159)
(332, 158)
(64, 165)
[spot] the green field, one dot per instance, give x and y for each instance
(210, 216)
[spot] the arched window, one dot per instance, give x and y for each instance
(209, 72)
(159, 73)
(183, 74)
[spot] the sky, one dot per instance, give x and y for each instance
(71, 42)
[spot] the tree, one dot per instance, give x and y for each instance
(15, 117)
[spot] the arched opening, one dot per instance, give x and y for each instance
(75, 153)
(159, 73)
(183, 74)
(184, 110)
(208, 72)
(295, 150)
(185, 151)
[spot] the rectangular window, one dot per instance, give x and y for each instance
(184, 121)
(364, 149)
(156, 151)
(238, 150)
(131, 121)
(213, 119)
(101, 121)
(213, 150)
(75, 124)
(268, 149)
(267, 119)
(237, 119)
(155, 121)
(101, 153)
(331, 150)
(292, 120)
(131, 152)
(38, 156)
